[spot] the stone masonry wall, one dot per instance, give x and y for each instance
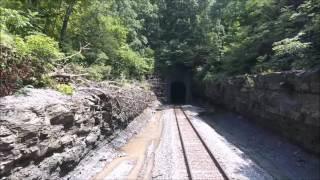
(286, 102)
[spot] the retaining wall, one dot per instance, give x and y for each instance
(286, 102)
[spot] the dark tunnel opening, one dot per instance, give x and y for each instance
(178, 93)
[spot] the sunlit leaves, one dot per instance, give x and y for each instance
(289, 46)
(13, 21)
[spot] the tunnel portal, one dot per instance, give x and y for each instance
(178, 93)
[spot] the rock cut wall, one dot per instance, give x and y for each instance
(287, 102)
(44, 134)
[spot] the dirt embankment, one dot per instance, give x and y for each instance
(44, 134)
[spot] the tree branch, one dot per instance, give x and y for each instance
(71, 56)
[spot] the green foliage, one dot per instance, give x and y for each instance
(289, 46)
(211, 77)
(255, 36)
(45, 81)
(133, 63)
(96, 72)
(116, 31)
(110, 35)
(42, 47)
(21, 47)
(12, 21)
(114, 27)
(99, 72)
(43, 50)
(214, 38)
(290, 53)
(6, 39)
(15, 70)
(64, 88)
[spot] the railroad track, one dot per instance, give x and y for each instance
(200, 162)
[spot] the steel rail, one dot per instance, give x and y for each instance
(223, 173)
(183, 147)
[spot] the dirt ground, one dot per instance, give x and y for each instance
(244, 150)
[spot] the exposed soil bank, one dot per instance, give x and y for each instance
(287, 102)
(44, 134)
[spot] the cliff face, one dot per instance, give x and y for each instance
(287, 102)
(45, 134)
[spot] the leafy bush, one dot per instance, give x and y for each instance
(99, 72)
(211, 77)
(12, 21)
(133, 63)
(64, 88)
(45, 81)
(43, 47)
(6, 39)
(15, 70)
(113, 26)
(21, 46)
(26, 61)
(290, 47)
(289, 53)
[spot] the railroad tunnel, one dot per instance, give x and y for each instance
(178, 85)
(178, 92)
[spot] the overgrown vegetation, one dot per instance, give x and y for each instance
(218, 38)
(51, 31)
(124, 39)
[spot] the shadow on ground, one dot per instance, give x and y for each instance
(271, 152)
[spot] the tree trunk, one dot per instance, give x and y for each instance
(65, 22)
